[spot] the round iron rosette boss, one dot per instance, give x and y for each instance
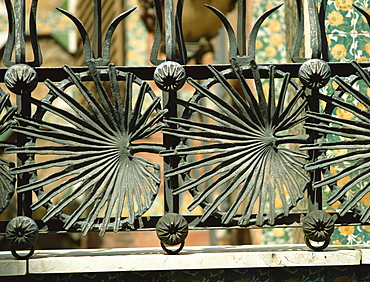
(170, 76)
(172, 229)
(21, 79)
(318, 226)
(22, 233)
(314, 73)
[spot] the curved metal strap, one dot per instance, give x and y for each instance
(315, 30)
(364, 13)
(108, 36)
(13, 42)
(324, 40)
(159, 31)
(299, 33)
(173, 252)
(33, 34)
(256, 27)
(22, 257)
(233, 52)
(8, 49)
(157, 34)
(83, 32)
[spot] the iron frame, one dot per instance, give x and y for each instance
(21, 76)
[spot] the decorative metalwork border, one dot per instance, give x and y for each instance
(245, 136)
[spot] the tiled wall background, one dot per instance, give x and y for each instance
(348, 36)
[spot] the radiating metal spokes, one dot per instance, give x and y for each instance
(96, 147)
(346, 123)
(246, 153)
(6, 179)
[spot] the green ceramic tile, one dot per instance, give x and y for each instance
(197, 275)
(341, 274)
(311, 274)
(246, 275)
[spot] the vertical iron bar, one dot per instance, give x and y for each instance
(241, 32)
(170, 30)
(97, 30)
(324, 41)
(314, 195)
(20, 31)
(315, 30)
(170, 183)
(24, 199)
(171, 201)
(24, 107)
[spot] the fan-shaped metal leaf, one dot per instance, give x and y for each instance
(6, 180)
(243, 151)
(351, 144)
(97, 150)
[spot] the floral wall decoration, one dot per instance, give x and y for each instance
(348, 36)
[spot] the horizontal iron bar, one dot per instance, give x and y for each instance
(149, 223)
(194, 71)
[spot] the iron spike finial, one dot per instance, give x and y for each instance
(236, 52)
(173, 33)
(99, 52)
(319, 44)
(17, 34)
(364, 13)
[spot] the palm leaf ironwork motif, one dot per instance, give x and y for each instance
(349, 144)
(244, 148)
(97, 150)
(6, 179)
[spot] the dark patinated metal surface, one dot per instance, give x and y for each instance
(237, 152)
(22, 233)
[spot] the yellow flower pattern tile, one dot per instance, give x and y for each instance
(348, 39)
(344, 5)
(335, 18)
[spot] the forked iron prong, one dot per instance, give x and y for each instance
(17, 35)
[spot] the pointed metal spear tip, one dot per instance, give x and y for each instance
(276, 7)
(211, 7)
(255, 29)
(357, 7)
(65, 12)
(125, 14)
(363, 12)
(60, 9)
(233, 50)
(132, 9)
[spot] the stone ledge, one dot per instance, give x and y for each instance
(154, 259)
(12, 267)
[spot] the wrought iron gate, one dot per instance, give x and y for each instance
(236, 155)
